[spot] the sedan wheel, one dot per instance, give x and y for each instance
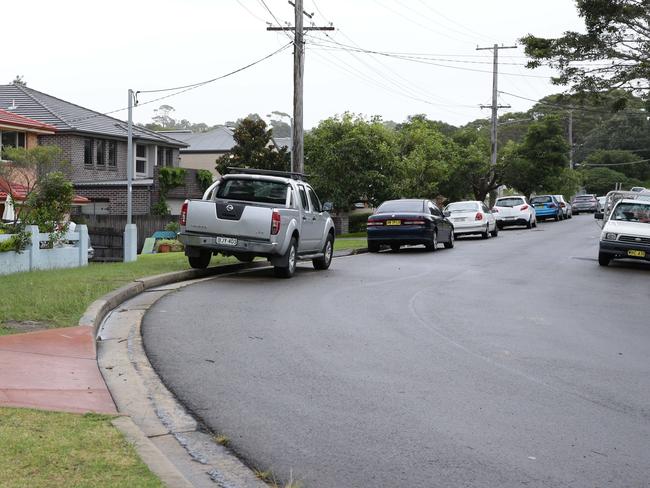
(450, 243)
(486, 234)
(433, 245)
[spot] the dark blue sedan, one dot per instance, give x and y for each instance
(409, 222)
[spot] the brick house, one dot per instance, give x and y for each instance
(96, 146)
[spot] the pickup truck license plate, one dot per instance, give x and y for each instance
(393, 222)
(636, 254)
(227, 241)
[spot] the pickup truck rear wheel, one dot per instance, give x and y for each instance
(328, 251)
(201, 261)
(288, 269)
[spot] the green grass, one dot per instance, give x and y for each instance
(340, 245)
(353, 234)
(60, 450)
(60, 297)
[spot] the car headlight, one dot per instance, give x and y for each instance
(610, 236)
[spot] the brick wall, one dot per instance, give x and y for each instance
(117, 196)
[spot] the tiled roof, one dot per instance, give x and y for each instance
(10, 118)
(215, 140)
(19, 192)
(68, 117)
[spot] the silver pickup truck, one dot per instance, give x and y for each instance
(253, 213)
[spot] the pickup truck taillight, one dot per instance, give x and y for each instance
(183, 218)
(275, 223)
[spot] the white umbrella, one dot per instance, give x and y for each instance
(9, 213)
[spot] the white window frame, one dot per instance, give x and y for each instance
(137, 158)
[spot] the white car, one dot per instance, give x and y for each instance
(567, 210)
(514, 210)
(472, 217)
(626, 233)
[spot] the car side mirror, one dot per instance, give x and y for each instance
(599, 215)
(328, 206)
(446, 213)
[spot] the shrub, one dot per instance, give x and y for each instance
(358, 221)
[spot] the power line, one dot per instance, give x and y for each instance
(572, 107)
(250, 11)
(185, 88)
(615, 164)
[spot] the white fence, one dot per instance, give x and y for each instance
(72, 252)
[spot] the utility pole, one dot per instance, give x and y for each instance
(297, 131)
(571, 139)
(495, 106)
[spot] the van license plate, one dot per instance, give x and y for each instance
(227, 241)
(636, 254)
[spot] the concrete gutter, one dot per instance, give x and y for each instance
(180, 451)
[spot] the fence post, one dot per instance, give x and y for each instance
(34, 247)
(83, 244)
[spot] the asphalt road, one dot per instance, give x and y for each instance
(514, 361)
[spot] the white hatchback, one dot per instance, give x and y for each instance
(514, 210)
(472, 217)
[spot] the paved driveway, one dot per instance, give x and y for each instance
(515, 361)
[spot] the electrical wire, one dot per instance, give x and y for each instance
(250, 11)
(292, 39)
(614, 164)
(571, 107)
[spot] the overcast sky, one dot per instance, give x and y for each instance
(90, 53)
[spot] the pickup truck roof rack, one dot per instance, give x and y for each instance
(268, 172)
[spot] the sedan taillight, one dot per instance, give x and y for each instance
(375, 223)
(414, 222)
(479, 216)
(524, 207)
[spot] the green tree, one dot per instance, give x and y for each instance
(542, 155)
(351, 159)
(619, 161)
(254, 149)
(602, 180)
(617, 35)
(472, 173)
(49, 204)
(425, 158)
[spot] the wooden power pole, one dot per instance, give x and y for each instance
(297, 131)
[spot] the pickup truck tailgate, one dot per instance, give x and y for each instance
(225, 218)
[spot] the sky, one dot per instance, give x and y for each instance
(91, 53)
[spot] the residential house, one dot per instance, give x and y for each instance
(203, 148)
(96, 146)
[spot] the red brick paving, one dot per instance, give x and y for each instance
(53, 369)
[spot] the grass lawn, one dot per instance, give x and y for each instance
(340, 245)
(363, 234)
(50, 449)
(58, 298)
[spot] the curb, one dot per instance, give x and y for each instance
(101, 309)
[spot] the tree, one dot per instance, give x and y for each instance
(473, 173)
(425, 157)
(542, 155)
(350, 159)
(618, 35)
(619, 161)
(280, 128)
(254, 149)
(163, 117)
(602, 180)
(19, 80)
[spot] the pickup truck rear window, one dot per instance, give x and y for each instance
(249, 190)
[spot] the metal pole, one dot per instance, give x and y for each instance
(298, 71)
(495, 109)
(571, 139)
(130, 230)
(129, 162)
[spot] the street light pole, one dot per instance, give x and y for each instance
(130, 230)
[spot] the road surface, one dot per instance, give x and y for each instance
(514, 361)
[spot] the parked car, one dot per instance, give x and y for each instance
(546, 207)
(472, 217)
(626, 233)
(567, 212)
(409, 221)
(600, 207)
(251, 213)
(584, 203)
(638, 189)
(514, 210)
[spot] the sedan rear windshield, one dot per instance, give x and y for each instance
(462, 207)
(584, 198)
(541, 200)
(253, 190)
(396, 206)
(632, 212)
(509, 202)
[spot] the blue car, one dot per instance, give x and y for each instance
(546, 207)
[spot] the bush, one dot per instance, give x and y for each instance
(358, 221)
(173, 226)
(176, 246)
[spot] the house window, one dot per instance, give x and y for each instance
(100, 156)
(12, 139)
(112, 154)
(160, 158)
(88, 152)
(169, 155)
(140, 159)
